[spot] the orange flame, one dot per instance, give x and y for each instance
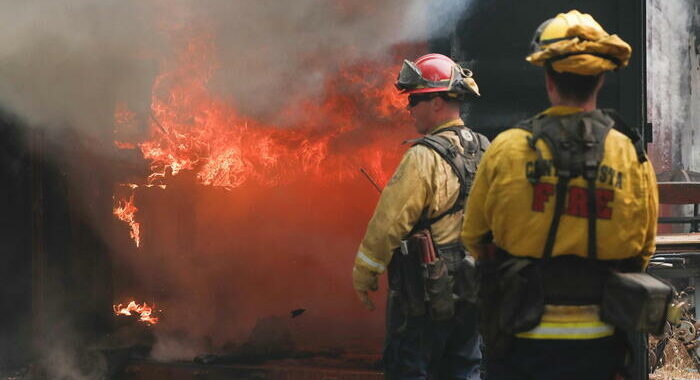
(192, 130)
(125, 210)
(124, 145)
(358, 122)
(144, 312)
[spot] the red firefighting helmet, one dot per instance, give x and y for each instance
(436, 73)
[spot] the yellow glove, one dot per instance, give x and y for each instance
(364, 280)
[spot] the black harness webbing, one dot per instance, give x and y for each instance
(562, 185)
(457, 160)
(577, 145)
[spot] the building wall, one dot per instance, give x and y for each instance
(691, 139)
(673, 83)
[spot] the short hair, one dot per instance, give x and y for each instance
(574, 86)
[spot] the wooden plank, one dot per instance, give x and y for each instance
(678, 243)
(178, 371)
(678, 193)
(676, 239)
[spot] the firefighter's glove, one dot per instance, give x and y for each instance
(364, 280)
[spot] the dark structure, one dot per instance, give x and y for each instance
(16, 237)
(56, 290)
(493, 38)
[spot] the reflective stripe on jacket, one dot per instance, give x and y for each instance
(505, 208)
(570, 322)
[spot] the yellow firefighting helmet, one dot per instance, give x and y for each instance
(575, 43)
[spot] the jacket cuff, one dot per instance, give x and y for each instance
(369, 263)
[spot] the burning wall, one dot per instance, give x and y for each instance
(248, 219)
(267, 110)
(251, 119)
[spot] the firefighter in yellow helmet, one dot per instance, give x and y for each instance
(414, 233)
(561, 213)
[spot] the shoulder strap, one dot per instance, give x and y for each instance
(544, 129)
(577, 145)
(541, 166)
(483, 142)
(632, 133)
(457, 161)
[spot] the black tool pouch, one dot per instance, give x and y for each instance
(522, 296)
(406, 279)
(413, 285)
(496, 342)
(439, 284)
(466, 285)
(635, 302)
(511, 300)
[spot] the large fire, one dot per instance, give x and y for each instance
(350, 126)
(264, 206)
(143, 312)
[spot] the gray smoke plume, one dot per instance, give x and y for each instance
(66, 63)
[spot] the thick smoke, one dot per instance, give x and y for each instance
(67, 62)
(223, 259)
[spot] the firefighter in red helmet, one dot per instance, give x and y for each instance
(414, 232)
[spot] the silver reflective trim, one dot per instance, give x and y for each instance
(371, 262)
(569, 331)
(404, 247)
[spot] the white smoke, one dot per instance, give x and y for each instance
(66, 62)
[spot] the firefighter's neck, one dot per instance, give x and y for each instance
(558, 99)
(588, 105)
(442, 116)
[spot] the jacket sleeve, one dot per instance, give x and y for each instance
(400, 206)
(476, 228)
(649, 246)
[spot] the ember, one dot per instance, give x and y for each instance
(144, 312)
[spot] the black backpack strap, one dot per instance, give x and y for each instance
(541, 166)
(594, 131)
(545, 129)
(448, 152)
(577, 145)
(632, 133)
(562, 186)
(483, 142)
(457, 160)
(471, 146)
